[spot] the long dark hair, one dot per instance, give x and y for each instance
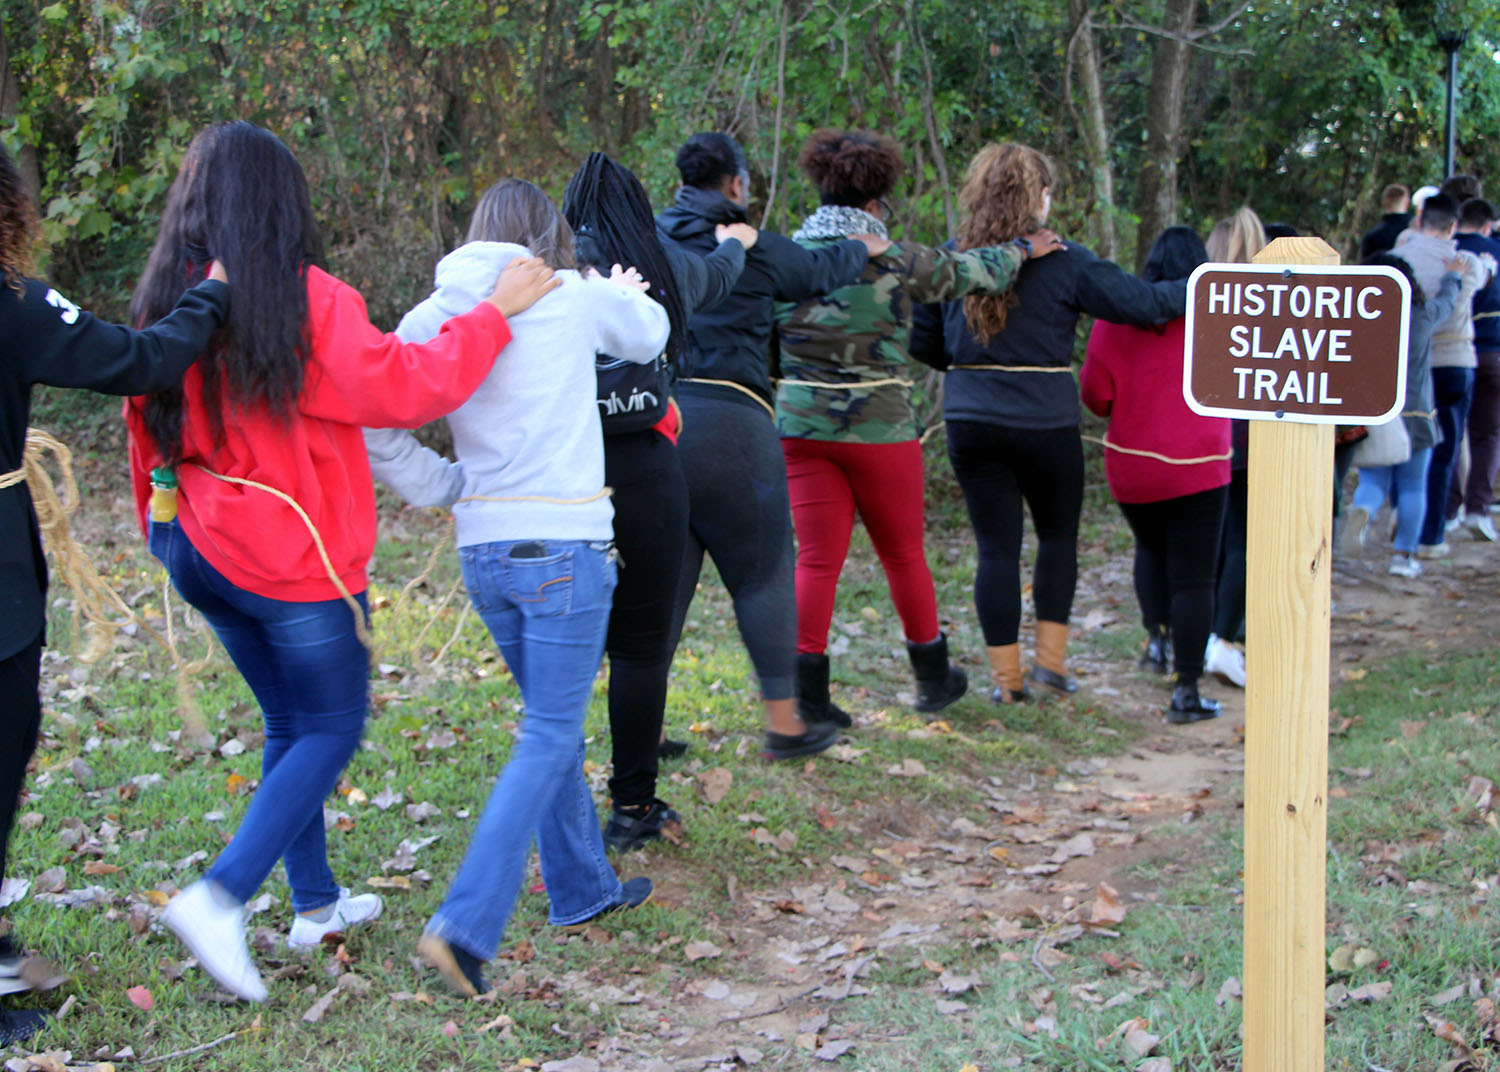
(17, 223)
(1174, 255)
(514, 210)
(612, 224)
(240, 197)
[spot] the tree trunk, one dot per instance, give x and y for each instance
(1083, 60)
(1165, 104)
(10, 107)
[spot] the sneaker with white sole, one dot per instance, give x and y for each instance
(1224, 661)
(1405, 566)
(1352, 532)
(348, 911)
(1434, 550)
(1481, 525)
(212, 925)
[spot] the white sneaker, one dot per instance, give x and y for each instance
(1224, 661)
(1404, 566)
(348, 910)
(1351, 535)
(1434, 550)
(1481, 525)
(215, 934)
(1452, 525)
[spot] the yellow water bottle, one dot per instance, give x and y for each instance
(163, 494)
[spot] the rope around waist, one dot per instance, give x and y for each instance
(11, 479)
(761, 402)
(1012, 368)
(1135, 452)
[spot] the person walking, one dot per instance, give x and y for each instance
(51, 341)
(1406, 482)
(738, 511)
(1168, 468)
(1011, 404)
(533, 524)
(253, 487)
(610, 214)
(1469, 501)
(848, 428)
(1395, 205)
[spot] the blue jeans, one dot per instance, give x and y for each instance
(310, 675)
(1410, 491)
(1453, 390)
(548, 612)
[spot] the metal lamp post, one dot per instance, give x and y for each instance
(1450, 38)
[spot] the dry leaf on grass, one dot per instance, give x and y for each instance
(1107, 909)
(701, 950)
(1371, 992)
(141, 998)
(832, 1051)
(907, 768)
(1135, 1035)
(1230, 991)
(713, 785)
(1448, 1031)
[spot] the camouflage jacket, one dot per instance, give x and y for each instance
(858, 334)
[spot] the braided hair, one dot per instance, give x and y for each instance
(612, 224)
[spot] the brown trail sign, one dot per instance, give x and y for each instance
(1338, 355)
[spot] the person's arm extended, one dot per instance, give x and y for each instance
(802, 273)
(1096, 385)
(1106, 290)
(631, 326)
(705, 281)
(61, 345)
(418, 474)
(934, 275)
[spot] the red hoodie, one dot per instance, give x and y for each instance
(1133, 376)
(356, 376)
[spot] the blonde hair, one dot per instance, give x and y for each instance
(1001, 195)
(1238, 239)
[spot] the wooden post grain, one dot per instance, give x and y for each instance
(1288, 560)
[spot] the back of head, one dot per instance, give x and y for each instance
(1400, 264)
(1395, 198)
(607, 207)
(1461, 187)
(1174, 255)
(514, 210)
(240, 197)
(1002, 199)
(706, 160)
(1439, 214)
(1280, 230)
(850, 167)
(1238, 239)
(1475, 213)
(18, 222)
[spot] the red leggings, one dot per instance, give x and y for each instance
(828, 482)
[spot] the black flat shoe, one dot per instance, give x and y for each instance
(1053, 680)
(818, 737)
(1158, 654)
(1188, 706)
(670, 749)
(18, 1025)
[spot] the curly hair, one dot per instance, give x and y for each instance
(18, 223)
(1001, 198)
(850, 167)
(708, 158)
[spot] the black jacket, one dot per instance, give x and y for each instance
(633, 397)
(732, 340)
(1052, 293)
(49, 340)
(1382, 237)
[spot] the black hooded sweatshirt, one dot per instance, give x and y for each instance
(731, 341)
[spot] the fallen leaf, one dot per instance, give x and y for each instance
(701, 950)
(1155, 1064)
(450, 1028)
(319, 1008)
(1107, 908)
(141, 998)
(52, 880)
(99, 867)
(1230, 991)
(232, 747)
(832, 1051)
(387, 798)
(357, 796)
(713, 785)
(420, 813)
(1371, 992)
(1411, 729)
(236, 784)
(1448, 1031)
(1447, 997)
(907, 768)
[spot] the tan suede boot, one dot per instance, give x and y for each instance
(1051, 667)
(1005, 667)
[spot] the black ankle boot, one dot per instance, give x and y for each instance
(1188, 706)
(1158, 654)
(813, 704)
(938, 683)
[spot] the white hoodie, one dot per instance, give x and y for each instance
(531, 431)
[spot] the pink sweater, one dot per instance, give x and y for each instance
(1133, 376)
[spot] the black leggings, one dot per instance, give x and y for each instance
(739, 513)
(1229, 602)
(1176, 558)
(997, 468)
(651, 510)
(20, 719)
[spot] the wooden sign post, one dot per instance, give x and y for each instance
(1297, 367)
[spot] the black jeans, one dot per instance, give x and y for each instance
(651, 512)
(739, 512)
(998, 469)
(1229, 601)
(20, 719)
(1176, 560)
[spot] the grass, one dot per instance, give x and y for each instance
(1408, 850)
